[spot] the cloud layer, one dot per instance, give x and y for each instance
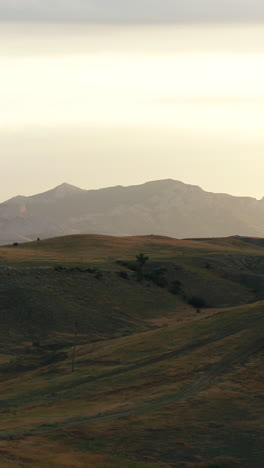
(137, 11)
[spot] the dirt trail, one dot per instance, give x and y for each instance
(212, 373)
(155, 360)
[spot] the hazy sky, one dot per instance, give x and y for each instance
(136, 11)
(106, 105)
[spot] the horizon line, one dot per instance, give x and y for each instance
(60, 185)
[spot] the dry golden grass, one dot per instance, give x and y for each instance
(105, 249)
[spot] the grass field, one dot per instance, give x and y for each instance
(156, 384)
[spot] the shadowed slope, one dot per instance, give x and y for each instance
(45, 286)
(153, 396)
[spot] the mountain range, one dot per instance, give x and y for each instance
(164, 207)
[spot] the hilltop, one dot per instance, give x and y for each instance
(164, 207)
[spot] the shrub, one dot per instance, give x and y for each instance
(197, 302)
(91, 270)
(121, 262)
(123, 274)
(98, 275)
(130, 265)
(160, 281)
(157, 277)
(175, 287)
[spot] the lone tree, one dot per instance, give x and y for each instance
(141, 261)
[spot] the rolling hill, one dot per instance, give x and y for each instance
(165, 207)
(156, 384)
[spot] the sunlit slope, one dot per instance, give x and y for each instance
(185, 395)
(98, 249)
(106, 249)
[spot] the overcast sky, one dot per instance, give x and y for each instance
(120, 104)
(135, 11)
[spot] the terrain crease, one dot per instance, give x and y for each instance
(217, 370)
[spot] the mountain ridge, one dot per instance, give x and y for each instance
(67, 185)
(164, 207)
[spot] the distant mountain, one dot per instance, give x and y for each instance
(164, 207)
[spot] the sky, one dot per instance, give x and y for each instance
(137, 11)
(100, 93)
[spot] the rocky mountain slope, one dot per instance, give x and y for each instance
(164, 207)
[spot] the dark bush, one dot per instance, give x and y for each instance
(123, 274)
(91, 270)
(160, 281)
(157, 277)
(176, 287)
(98, 275)
(130, 265)
(197, 302)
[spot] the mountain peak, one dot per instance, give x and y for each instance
(60, 191)
(162, 207)
(67, 187)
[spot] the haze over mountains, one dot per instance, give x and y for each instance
(164, 207)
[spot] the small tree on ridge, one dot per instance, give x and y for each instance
(141, 261)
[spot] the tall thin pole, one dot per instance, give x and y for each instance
(74, 346)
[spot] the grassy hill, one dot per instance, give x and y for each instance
(106, 249)
(156, 384)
